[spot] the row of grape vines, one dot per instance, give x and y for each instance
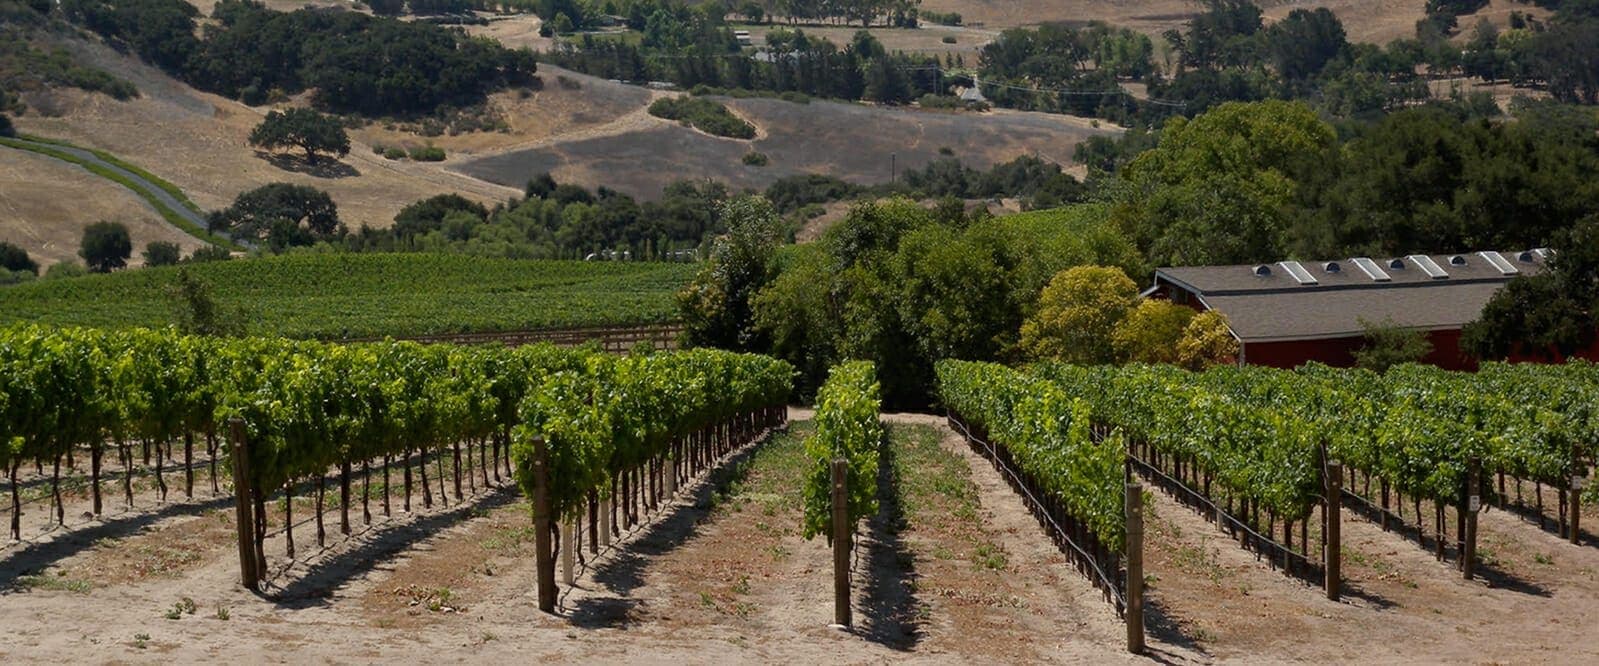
(1040, 438)
(847, 428)
(304, 408)
(1253, 441)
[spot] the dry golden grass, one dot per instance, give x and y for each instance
(45, 204)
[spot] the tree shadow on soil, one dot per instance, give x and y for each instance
(381, 544)
(890, 606)
(623, 572)
(39, 555)
(325, 167)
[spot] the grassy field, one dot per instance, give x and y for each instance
(361, 295)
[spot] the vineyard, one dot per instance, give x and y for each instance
(1262, 453)
(572, 426)
(338, 296)
(667, 496)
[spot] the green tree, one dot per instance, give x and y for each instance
(1151, 332)
(1077, 313)
(716, 305)
(1207, 341)
(1221, 188)
(1387, 345)
(386, 7)
(197, 310)
(14, 258)
(1548, 314)
(106, 246)
(283, 214)
(1304, 42)
(304, 129)
(162, 253)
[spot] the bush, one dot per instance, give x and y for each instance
(754, 158)
(162, 253)
(706, 115)
(394, 153)
(428, 154)
(10, 277)
(209, 253)
(6, 128)
(948, 39)
(14, 258)
(65, 268)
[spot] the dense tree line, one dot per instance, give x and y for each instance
(702, 51)
(355, 63)
(893, 282)
(1258, 182)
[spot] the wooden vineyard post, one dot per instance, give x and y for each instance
(605, 521)
(841, 614)
(542, 523)
(244, 511)
(1578, 480)
(1332, 553)
(568, 551)
(1468, 549)
(671, 475)
(1135, 569)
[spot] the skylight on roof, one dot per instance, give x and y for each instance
(1298, 272)
(1498, 261)
(1371, 269)
(1428, 266)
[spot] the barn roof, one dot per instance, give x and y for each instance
(1291, 300)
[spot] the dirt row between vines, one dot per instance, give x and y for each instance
(954, 570)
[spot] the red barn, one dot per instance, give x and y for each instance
(1288, 313)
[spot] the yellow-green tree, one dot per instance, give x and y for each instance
(1151, 331)
(1077, 312)
(1207, 341)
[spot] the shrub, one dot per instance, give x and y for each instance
(948, 39)
(428, 154)
(394, 153)
(209, 253)
(754, 158)
(65, 268)
(162, 253)
(14, 258)
(706, 115)
(941, 18)
(6, 128)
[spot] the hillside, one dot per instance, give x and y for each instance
(46, 203)
(363, 295)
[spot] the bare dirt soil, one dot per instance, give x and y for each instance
(952, 570)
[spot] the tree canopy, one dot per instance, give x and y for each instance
(106, 246)
(280, 214)
(304, 129)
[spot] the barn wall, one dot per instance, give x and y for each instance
(1340, 352)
